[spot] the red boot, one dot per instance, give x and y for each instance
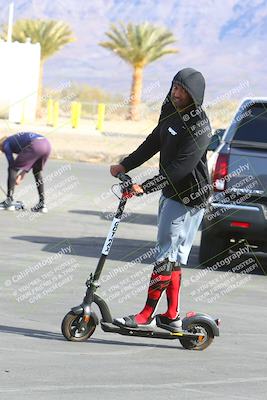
(159, 281)
(173, 293)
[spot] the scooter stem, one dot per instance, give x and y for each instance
(109, 240)
(126, 186)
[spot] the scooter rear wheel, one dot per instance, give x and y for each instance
(71, 330)
(206, 337)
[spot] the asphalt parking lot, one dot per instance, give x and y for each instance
(44, 262)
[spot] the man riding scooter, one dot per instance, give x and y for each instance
(32, 152)
(181, 136)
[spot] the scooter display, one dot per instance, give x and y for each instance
(79, 324)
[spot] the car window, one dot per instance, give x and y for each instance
(253, 126)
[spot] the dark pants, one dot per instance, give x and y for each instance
(12, 174)
(32, 157)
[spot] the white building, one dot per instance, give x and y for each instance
(19, 79)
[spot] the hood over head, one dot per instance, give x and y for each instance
(193, 82)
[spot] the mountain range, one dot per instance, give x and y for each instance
(223, 39)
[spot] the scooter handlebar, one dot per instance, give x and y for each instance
(123, 177)
(127, 182)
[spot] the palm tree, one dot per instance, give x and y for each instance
(138, 45)
(52, 36)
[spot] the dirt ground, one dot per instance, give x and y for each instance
(86, 143)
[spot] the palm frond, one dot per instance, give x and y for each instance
(52, 35)
(141, 44)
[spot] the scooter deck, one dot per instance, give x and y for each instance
(19, 206)
(157, 332)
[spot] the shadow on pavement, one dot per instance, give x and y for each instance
(47, 335)
(120, 343)
(31, 332)
(125, 250)
(131, 218)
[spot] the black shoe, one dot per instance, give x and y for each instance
(8, 205)
(172, 325)
(129, 322)
(40, 207)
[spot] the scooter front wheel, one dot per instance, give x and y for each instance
(204, 339)
(74, 329)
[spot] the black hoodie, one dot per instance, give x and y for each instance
(182, 138)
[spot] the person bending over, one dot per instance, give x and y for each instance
(32, 152)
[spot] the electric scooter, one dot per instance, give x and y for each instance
(79, 324)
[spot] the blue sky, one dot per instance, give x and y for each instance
(224, 39)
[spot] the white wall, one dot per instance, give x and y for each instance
(19, 77)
